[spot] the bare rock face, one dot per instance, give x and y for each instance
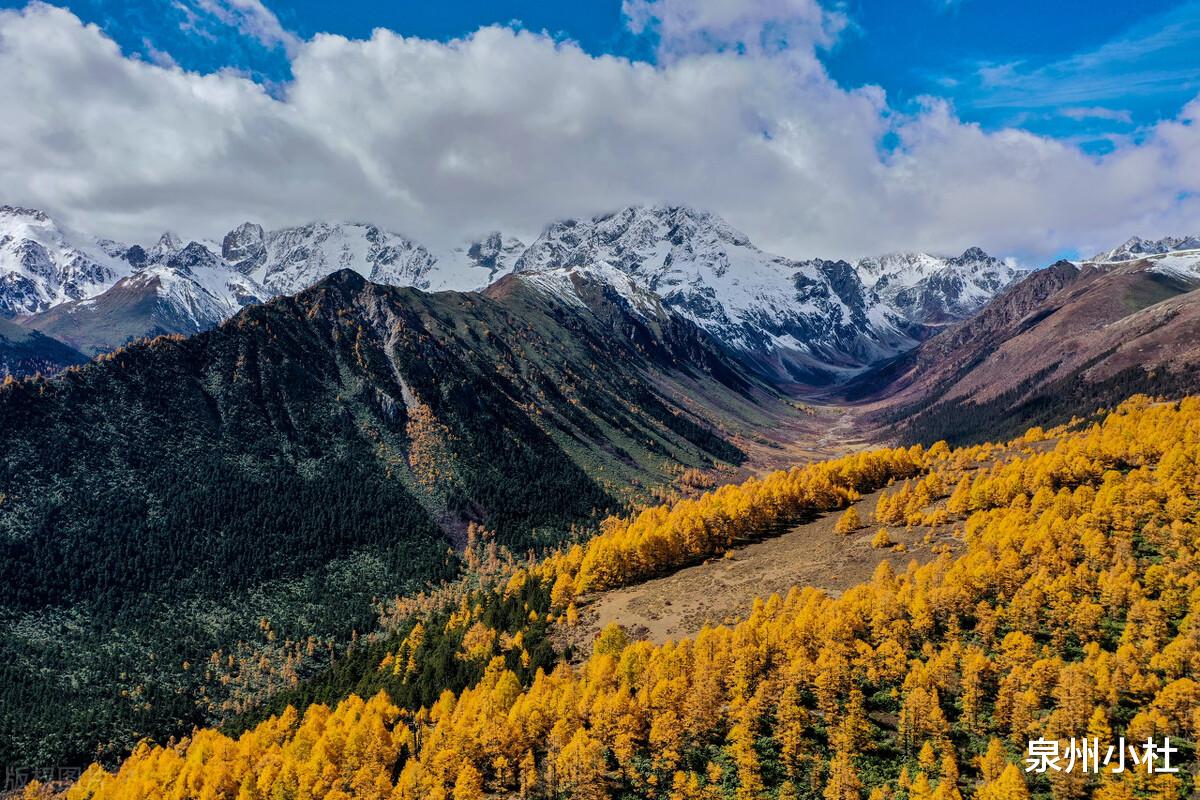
(245, 247)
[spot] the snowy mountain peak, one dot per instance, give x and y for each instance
(634, 237)
(42, 264)
(194, 255)
(168, 244)
(933, 289)
(245, 247)
(973, 255)
(808, 320)
(1136, 247)
(288, 260)
(907, 268)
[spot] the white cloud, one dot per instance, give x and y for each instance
(1096, 112)
(248, 17)
(509, 130)
(752, 26)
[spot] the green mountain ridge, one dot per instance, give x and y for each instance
(304, 458)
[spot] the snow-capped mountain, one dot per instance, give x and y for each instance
(195, 282)
(1178, 257)
(42, 264)
(170, 287)
(288, 260)
(291, 259)
(813, 319)
(167, 246)
(932, 289)
(46, 268)
(1136, 248)
(200, 286)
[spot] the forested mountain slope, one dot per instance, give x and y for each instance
(923, 683)
(307, 456)
(25, 352)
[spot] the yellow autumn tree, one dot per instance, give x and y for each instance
(1069, 598)
(848, 522)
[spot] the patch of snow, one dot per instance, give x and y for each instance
(1184, 263)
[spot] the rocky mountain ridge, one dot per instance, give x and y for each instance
(812, 322)
(1136, 247)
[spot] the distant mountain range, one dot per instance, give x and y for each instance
(1137, 248)
(1066, 340)
(812, 322)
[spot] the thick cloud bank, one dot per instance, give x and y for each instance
(510, 129)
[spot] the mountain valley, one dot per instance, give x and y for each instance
(290, 449)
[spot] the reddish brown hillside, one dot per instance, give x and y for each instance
(1064, 341)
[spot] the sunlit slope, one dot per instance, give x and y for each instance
(1068, 613)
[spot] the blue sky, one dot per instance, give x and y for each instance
(841, 128)
(1078, 69)
(1088, 72)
